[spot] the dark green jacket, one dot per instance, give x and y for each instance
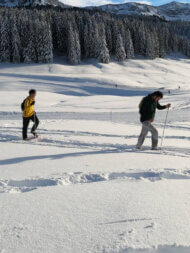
(147, 108)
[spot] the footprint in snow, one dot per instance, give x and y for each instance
(151, 226)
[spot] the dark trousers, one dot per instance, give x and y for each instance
(26, 122)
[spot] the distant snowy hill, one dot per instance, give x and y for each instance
(130, 9)
(15, 3)
(175, 11)
(171, 11)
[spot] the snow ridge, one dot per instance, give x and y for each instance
(26, 185)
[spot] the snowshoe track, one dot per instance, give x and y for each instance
(26, 185)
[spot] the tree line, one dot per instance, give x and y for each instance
(34, 34)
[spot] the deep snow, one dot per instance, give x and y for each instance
(82, 187)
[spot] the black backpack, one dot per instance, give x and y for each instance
(22, 105)
(140, 105)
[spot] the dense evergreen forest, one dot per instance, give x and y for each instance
(34, 34)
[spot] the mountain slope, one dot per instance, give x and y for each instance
(130, 8)
(25, 3)
(171, 11)
(175, 11)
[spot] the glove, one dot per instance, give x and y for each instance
(32, 103)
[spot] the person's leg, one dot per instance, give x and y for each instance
(25, 127)
(35, 119)
(154, 133)
(143, 134)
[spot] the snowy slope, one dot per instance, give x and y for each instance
(176, 11)
(131, 8)
(25, 3)
(171, 11)
(82, 187)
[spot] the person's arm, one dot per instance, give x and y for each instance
(162, 107)
(28, 104)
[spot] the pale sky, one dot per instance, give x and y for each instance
(83, 3)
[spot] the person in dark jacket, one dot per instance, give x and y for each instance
(147, 110)
(29, 114)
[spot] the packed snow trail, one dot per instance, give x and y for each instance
(82, 187)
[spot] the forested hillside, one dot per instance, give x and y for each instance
(34, 34)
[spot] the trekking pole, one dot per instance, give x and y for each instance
(164, 128)
(35, 119)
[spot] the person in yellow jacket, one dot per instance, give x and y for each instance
(29, 114)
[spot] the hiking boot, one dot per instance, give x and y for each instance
(155, 148)
(34, 133)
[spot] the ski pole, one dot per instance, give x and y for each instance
(164, 128)
(35, 119)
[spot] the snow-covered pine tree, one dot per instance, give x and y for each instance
(102, 50)
(79, 24)
(184, 46)
(165, 34)
(156, 44)
(109, 39)
(59, 31)
(23, 29)
(104, 56)
(163, 42)
(173, 43)
(120, 54)
(43, 42)
(73, 47)
(188, 49)
(129, 49)
(150, 48)
(90, 37)
(29, 52)
(15, 43)
(140, 39)
(86, 43)
(162, 49)
(5, 54)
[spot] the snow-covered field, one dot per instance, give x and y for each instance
(82, 187)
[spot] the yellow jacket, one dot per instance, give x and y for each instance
(28, 108)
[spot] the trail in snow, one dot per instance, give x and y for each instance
(22, 186)
(97, 141)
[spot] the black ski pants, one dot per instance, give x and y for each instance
(26, 122)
